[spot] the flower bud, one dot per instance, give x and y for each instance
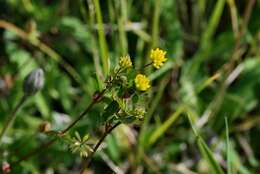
(6, 168)
(33, 82)
(44, 127)
(139, 113)
(125, 62)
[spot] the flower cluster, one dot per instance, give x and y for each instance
(142, 82)
(125, 62)
(158, 57)
(126, 86)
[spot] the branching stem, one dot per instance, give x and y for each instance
(87, 161)
(44, 146)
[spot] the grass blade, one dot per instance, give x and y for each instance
(102, 39)
(166, 125)
(213, 23)
(205, 150)
(229, 171)
(209, 157)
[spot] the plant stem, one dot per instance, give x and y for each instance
(145, 66)
(141, 138)
(148, 64)
(94, 101)
(78, 118)
(87, 161)
(12, 117)
(49, 143)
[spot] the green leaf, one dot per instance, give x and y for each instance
(135, 98)
(85, 138)
(112, 147)
(77, 136)
(110, 110)
(127, 119)
(42, 105)
(131, 73)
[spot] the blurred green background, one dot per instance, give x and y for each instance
(212, 73)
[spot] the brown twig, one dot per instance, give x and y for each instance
(234, 17)
(43, 147)
(228, 68)
(145, 66)
(94, 101)
(86, 162)
(237, 49)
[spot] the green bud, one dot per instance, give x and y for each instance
(139, 112)
(33, 82)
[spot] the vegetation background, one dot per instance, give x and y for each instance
(212, 73)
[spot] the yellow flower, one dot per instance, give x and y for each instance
(158, 57)
(142, 82)
(125, 62)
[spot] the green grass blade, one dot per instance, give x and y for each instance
(209, 157)
(102, 39)
(229, 171)
(121, 28)
(165, 126)
(89, 19)
(213, 23)
(155, 29)
(205, 44)
(205, 150)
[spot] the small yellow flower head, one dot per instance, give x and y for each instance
(158, 57)
(125, 62)
(142, 82)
